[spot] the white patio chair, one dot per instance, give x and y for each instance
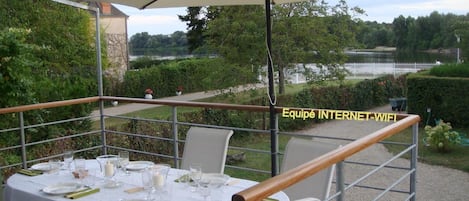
(207, 146)
(299, 151)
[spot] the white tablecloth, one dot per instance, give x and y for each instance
(25, 188)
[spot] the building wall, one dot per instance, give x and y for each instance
(117, 51)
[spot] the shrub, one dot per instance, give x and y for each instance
(451, 70)
(441, 136)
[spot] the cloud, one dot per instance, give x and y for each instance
(437, 5)
(153, 19)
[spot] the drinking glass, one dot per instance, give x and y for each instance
(102, 160)
(68, 159)
(204, 187)
(54, 166)
(195, 173)
(124, 161)
(159, 173)
(110, 169)
(80, 169)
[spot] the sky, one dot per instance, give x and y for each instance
(165, 21)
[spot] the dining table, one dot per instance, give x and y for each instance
(128, 186)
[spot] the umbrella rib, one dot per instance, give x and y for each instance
(149, 3)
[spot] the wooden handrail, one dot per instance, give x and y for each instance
(292, 176)
(37, 106)
(252, 108)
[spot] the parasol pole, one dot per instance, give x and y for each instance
(272, 100)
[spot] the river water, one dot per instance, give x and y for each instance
(362, 64)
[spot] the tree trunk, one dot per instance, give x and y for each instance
(281, 80)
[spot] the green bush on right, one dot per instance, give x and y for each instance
(441, 136)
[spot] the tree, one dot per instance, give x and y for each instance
(302, 32)
(196, 21)
(51, 54)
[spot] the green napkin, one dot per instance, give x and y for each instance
(183, 179)
(30, 172)
(269, 199)
(80, 194)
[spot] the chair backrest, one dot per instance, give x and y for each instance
(299, 151)
(207, 146)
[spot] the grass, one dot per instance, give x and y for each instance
(456, 158)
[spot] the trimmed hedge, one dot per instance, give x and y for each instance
(446, 97)
(192, 74)
(451, 70)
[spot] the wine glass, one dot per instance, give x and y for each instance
(195, 173)
(68, 158)
(124, 161)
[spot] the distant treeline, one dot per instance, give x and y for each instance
(162, 45)
(436, 31)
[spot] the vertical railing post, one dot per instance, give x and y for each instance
(340, 182)
(23, 140)
(100, 80)
(175, 138)
(413, 161)
(275, 152)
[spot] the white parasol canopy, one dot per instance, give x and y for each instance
(145, 4)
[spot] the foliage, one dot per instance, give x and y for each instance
(196, 26)
(434, 97)
(451, 70)
(373, 34)
(162, 45)
(47, 54)
(301, 32)
(430, 32)
(192, 74)
(17, 62)
(441, 136)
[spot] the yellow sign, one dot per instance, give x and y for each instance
(338, 115)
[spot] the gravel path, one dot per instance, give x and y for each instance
(434, 183)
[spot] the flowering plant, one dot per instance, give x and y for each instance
(441, 136)
(148, 91)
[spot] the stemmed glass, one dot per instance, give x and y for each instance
(68, 158)
(195, 173)
(124, 161)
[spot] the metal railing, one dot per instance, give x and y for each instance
(341, 157)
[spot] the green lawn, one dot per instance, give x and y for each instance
(457, 158)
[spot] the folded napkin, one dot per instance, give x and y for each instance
(30, 172)
(269, 199)
(79, 194)
(183, 179)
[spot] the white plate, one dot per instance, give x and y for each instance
(138, 165)
(61, 188)
(45, 166)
